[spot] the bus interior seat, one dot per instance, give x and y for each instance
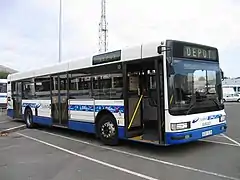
(150, 110)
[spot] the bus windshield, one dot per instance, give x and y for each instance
(194, 87)
(3, 87)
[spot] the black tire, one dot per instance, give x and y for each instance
(107, 130)
(238, 100)
(28, 118)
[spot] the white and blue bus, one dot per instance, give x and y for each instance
(155, 93)
(3, 93)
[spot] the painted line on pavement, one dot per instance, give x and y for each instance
(13, 129)
(145, 157)
(91, 159)
(219, 142)
(230, 139)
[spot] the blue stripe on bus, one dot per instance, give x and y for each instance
(3, 96)
(31, 105)
(75, 125)
(42, 120)
(90, 108)
(81, 126)
(195, 134)
(121, 132)
(86, 108)
(10, 113)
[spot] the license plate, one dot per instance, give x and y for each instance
(206, 133)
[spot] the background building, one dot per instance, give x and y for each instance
(4, 71)
(7, 69)
(232, 81)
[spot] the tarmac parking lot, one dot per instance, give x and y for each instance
(57, 154)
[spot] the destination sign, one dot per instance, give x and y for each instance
(107, 57)
(193, 51)
(199, 53)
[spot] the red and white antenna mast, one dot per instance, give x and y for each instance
(103, 28)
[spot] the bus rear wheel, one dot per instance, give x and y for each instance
(107, 130)
(28, 117)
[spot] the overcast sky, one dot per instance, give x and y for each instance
(29, 28)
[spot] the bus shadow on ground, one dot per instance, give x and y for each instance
(127, 145)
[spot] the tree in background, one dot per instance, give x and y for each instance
(3, 75)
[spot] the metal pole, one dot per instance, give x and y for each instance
(60, 33)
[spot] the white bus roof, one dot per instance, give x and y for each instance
(126, 54)
(130, 53)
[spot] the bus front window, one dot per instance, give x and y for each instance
(194, 87)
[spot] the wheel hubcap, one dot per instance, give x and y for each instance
(28, 119)
(108, 130)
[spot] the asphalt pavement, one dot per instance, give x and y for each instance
(233, 116)
(57, 154)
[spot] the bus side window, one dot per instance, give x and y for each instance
(28, 89)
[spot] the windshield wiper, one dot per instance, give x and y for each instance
(215, 102)
(192, 103)
(196, 97)
(211, 99)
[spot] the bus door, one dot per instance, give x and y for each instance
(143, 92)
(59, 107)
(17, 99)
(133, 100)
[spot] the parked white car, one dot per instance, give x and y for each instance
(233, 97)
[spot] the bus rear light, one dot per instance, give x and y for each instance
(180, 126)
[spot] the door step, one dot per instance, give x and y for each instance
(141, 139)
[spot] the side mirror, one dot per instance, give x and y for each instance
(161, 49)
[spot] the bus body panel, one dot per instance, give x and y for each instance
(193, 135)
(3, 93)
(81, 110)
(41, 107)
(3, 100)
(201, 126)
(132, 53)
(82, 113)
(150, 50)
(10, 111)
(199, 120)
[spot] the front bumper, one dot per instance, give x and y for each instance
(193, 135)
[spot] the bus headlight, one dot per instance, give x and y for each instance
(180, 126)
(222, 118)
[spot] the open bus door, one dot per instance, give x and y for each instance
(144, 117)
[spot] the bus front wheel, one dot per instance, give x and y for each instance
(107, 130)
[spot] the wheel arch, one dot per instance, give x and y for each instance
(99, 121)
(26, 108)
(100, 114)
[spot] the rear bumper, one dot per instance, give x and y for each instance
(193, 135)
